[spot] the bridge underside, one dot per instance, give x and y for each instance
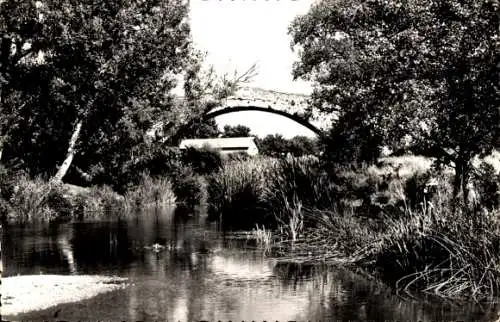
(295, 117)
(292, 106)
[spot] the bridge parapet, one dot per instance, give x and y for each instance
(293, 104)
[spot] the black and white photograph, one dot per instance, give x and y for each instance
(249, 160)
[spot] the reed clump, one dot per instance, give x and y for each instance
(30, 200)
(263, 237)
(236, 193)
(150, 193)
(394, 219)
(432, 249)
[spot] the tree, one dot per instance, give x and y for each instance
(204, 91)
(101, 75)
(236, 131)
(204, 130)
(423, 71)
(273, 145)
(302, 145)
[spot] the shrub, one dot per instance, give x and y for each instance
(188, 187)
(237, 156)
(28, 201)
(203, 161)
(157, 160)
(97, 203)
(59, 202)
(487, 183)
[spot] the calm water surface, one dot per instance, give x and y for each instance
(204, 274)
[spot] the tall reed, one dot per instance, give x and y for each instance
(29, 201)
(431, 249)
(236, 192)
(151, 192)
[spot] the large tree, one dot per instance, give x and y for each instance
(420, 70)
(89, 76)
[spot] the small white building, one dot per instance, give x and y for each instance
(223, 145)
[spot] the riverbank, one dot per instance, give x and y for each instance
(22, 294)
(397, 219)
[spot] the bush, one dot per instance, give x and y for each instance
(28, 201)
(487, 183)
(157, 160)
(188, 187)
(203, 161)
(59, 203)
(237, 156)
(97, 203)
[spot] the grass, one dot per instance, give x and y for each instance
(438, 252)
(29, 200)
(425, 248)
(263, 237)
(236, 193)
(150, 193)
(384, 218)
(25, 200)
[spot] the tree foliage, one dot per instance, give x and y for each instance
(236, 131)
(110, 65)
(275, 145)
(420, 71)
(205, 130)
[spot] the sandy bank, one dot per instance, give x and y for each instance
(26, 293)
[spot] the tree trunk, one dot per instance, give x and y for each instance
(460, 184)
(63, 169)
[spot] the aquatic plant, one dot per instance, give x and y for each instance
(236, 193)
(29, 201)
(97, 203)
(294, 180)
(436, 251)
(151, 192)
(189, 188)
(263, 237)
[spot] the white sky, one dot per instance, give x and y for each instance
(238, 33)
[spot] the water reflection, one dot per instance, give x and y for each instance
(202, 274)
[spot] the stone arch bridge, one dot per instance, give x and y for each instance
(291, 106)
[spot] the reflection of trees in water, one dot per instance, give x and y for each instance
(40, 248)
(102, 246)
(64, 244)
(187, 281)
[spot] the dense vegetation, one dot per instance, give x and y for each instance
(84, 84)
(416, 77)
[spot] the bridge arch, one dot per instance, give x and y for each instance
(242, 108)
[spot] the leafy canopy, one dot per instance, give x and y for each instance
(111, 65)
(422, 72)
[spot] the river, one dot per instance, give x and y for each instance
(204, 274)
